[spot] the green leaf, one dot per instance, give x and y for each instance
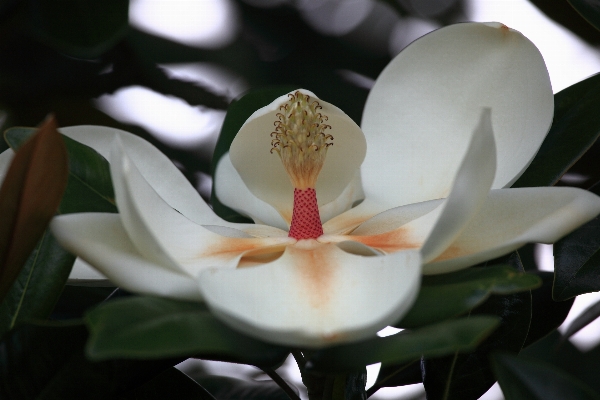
(525, 379)
(448, 295)
(89, 188)
(469, 376)
(546, 314)
(577, 260)
(75, 300)
(47, 362)
(80, 28)
(239, 111)
(449, 337)
(589, 9)
(575, 128)
(39, 167)
(38, 286)
(170, 384)
(145, 327)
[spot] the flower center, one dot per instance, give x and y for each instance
(301, 142)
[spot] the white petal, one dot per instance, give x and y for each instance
(154, 166)
(166, 236)
(419, 115)
(469, 190)
(315, 294)
(351, 194)
(263, 172)
(511, 218)
(100, 240)
(231, 190)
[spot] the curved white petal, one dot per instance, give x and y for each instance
(351, 194)
(315, 294)
(419, 115)
(511, 218)
(154, 166)
(100, 240)
(231, 190)
(469, 190)
(264, 173)
(167, 237)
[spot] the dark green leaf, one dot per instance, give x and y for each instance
(146, 327)
(448, 295)
(89, 188)
(170, 384)
(589, 9)
(47, 361)
(239, 111)
(447, 337)
(546, 314)
(226, 388)
(575, 128)
(588, 316)
(39, 284)
(577, 260)
(468, 376)
(525, 379)
(75, 300)
(40, 166)
(80, 28)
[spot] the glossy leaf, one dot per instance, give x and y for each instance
(589, 9)
(89, 187)
(448, 295)
(237, 113)
(525, 379)
(170, 384)
(145, 327)
(47, 361)
(468, 376)
(575, 128)
(80, 28)
(38, 286)
(29, 197)
(75, 300)
(449, 337)
(546, 314)
(577, 260)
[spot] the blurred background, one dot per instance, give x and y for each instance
(167, 70)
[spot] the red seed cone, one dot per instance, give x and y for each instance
(306, 221)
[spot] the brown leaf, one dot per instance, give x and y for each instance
(29, 198)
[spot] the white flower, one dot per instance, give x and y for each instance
(452, 121)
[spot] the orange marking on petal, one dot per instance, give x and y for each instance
(389, 242)
(316, 269)
(229, 247)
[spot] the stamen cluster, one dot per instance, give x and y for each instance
(300, 139)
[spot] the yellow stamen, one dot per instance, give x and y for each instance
(300, 139)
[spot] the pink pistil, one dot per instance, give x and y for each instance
(306, 222)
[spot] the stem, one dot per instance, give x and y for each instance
(281, 383)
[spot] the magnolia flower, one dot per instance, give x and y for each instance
(339, 243)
